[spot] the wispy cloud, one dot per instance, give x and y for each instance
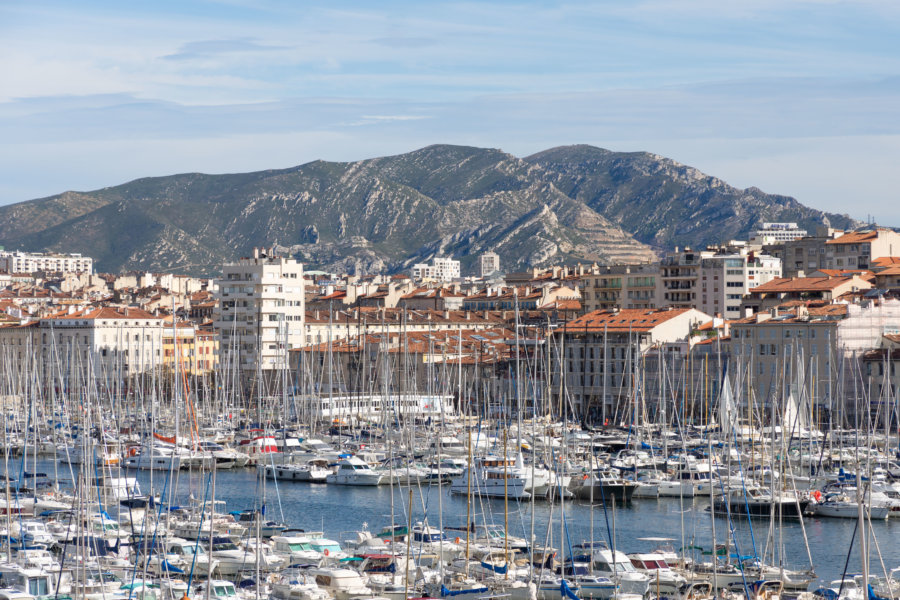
(126, 90)
(208, 48)
(404, 42)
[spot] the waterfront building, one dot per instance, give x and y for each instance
(102, 342)
(813, 346)
(260, 310)
(601, 352)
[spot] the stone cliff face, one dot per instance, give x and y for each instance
(576, 203)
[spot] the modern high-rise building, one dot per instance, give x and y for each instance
(260, 310)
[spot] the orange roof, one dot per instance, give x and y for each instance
(886, 261)
(563, 304)
(800, 284)
(630, 319)
(107, 312)
(855, 237)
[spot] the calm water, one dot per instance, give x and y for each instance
(339, 511)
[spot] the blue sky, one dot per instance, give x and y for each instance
(795, 97)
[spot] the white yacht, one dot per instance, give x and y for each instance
(353, 471)
(494, 477)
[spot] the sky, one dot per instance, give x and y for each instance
(796, 97)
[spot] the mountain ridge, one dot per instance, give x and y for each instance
(564, 204)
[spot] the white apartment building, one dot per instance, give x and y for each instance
(31, 262)
(101, 343)
(440, 269)
(260, 310)
(716, 279)
(488, 263)
(726, 278)
(777, 233)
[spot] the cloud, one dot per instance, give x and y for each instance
(210, 48)
(404, 42)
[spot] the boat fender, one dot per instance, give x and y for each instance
(456, 541)
(327, 552)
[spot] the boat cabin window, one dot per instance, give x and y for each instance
(37, 586)
(224, 590)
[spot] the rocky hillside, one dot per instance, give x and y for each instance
(575, 203)
(664, 203)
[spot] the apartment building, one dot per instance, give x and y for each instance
(857, 249)
(803, 256)
(260, 310)
(725, 278)
(102, 342)
(600, 350)
(803, 289)
(488, 263)
(622, 287)
(716, 279)
(31, 262)
(777, 350)
(440, 269)
(188, 349)
(679, 278)
(814, 347)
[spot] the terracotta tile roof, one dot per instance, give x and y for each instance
(563, 304)
(886, 261)
(631, 319)
(800, 284)
(855, 237)
(108, 312)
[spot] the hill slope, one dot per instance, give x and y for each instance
(565, 204)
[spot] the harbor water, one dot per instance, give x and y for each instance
(685, 524)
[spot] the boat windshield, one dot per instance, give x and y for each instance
(225, 590)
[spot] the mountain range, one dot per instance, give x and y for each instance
(571, 203)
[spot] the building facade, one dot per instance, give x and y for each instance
(603, 351)
(777, 233)
(488, 263)
(622, 287)
(726, 278)
(31, 262)
(440, 269)
(260, 310)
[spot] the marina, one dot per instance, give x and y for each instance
(342, 510)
